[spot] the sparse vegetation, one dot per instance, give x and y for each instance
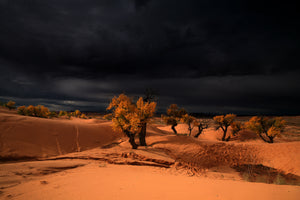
(62, 113)
(266, 128)
(189, 120)
(128, 117)
(174, 114)
(224, 121)
(201, 124)
(83, 116)
(11, 105)
(34, 111)
(264, 174)
(52, 114)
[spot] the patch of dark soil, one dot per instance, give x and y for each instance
(51, 170)
(264, 174)
(12, 159)
(108, 146)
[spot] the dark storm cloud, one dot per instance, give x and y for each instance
(243, 52)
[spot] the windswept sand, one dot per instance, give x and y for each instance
(23, 136)
(85, 159)
(100, 181)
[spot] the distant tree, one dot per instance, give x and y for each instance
(22, 110)
(11, 105)
(64, 114)
(266, 128)
(224, 122)
(30, 111)
(52, 114)
(236, 127)
(189, 120)
(201, 124)
(83, 116)
(41, 111)
(128, 117)
(35, 111)
(77, 113)
(174, 114)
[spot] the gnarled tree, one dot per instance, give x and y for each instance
(150, 96)
(128, 117)
(174, 114)
(223, 122)
(189, 120)
(201, 124)
(266, 128)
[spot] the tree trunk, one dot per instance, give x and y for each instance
(260, 135)
(142, 135)
(132, 141)
(227, 139)
(224, 133)
(271, 139)
(190, 130)
(199, 132)
(173, 128)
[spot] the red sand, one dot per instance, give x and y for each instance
(22, 136)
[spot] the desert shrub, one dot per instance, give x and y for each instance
(22, 110)
(30, 111)
(174, 114)
(11, 105)
(52, 114)
(266, 128)
(83, 116)
(34, 111)
(77, 113)
(63, 113)
(223, 122)
(128, 116)
(41, 111)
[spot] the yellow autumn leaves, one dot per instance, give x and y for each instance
(128, 116)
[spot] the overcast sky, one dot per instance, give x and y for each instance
(207, 56)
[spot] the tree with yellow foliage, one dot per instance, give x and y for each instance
(35, 111)
(223, 122)
(145, 111)
(189, 120)
(77, 113)
(201, 124)
(41, 111)
(128, 117)
(174, 114)
(11, 105)
(266, 128)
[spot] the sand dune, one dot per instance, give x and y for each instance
(209, 151)
(99, 181)
(85, 159)
(23, 136)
